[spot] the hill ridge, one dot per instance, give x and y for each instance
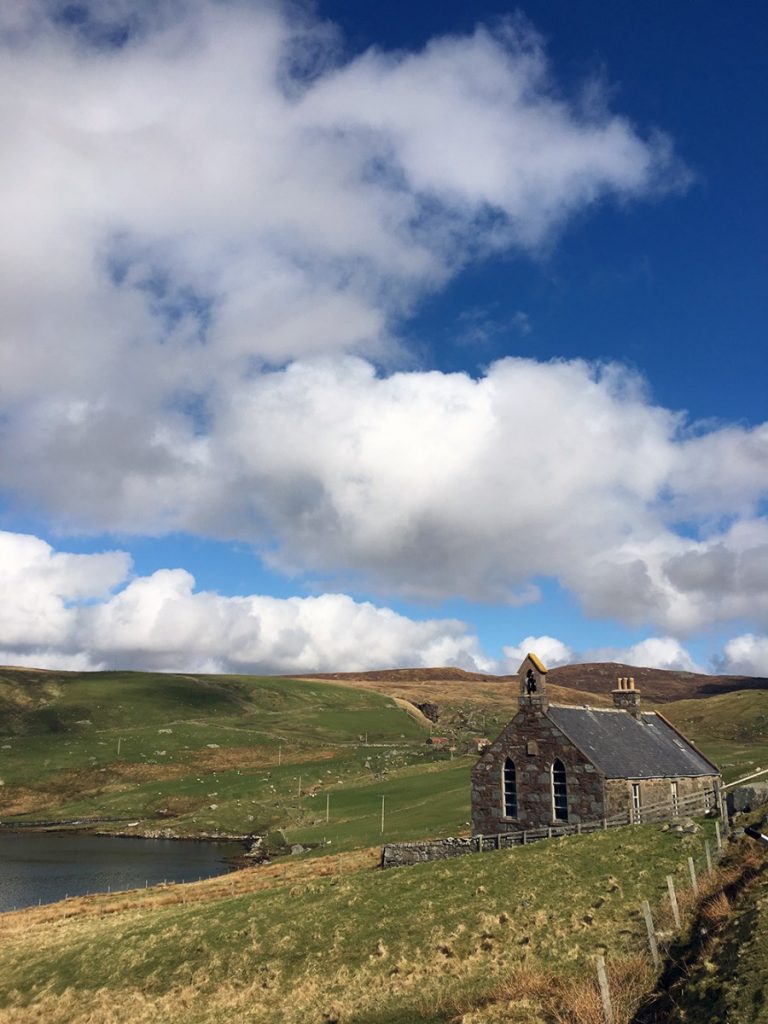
(655, 684)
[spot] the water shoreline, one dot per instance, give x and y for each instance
(47, 864)
(83, 826)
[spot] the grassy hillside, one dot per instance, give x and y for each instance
(655, 684)
(568, 683)
(478, 707)
(728, 984)
(202, 754)
(507, 935)
(731, 729)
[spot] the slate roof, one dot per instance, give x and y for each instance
(623, 747)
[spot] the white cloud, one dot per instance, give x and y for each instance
(85, 612)
(50, 658)
(551, 651)
(430, 484)
(664, 652)
(56, 611)
(746, 654)
(223, 190)
(202, 225)
(39, 585)
(654, 652)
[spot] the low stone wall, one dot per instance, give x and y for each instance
(397, 855)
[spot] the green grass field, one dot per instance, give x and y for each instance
(232, 755)
(508, 936)
(225, 755)
(731, 729)
(406, 946)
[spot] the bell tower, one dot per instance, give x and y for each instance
(532, 680)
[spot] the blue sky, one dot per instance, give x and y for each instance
(354, 336)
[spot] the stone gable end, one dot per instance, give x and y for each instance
(531, 730)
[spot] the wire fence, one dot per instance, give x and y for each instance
(706, 801)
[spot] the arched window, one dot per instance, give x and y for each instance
(509, 789)
(559, 791)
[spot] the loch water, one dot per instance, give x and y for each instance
(42, 867)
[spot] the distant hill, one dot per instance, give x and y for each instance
(409, 675)
(656, 685)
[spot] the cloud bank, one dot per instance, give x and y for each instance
(214, 224)
(61, 611)
(83, 612)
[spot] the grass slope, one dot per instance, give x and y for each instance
(731, 729)
(730, 984)
(199, 754)
(409, 946)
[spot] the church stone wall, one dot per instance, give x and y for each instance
(534, 782)
(618, 795)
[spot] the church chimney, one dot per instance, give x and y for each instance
(626, 697)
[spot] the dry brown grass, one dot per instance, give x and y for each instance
(716, 910)
(237, 883)
(534, 993)
(491, 696)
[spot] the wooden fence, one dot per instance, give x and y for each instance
(704, 802)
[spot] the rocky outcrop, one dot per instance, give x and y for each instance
(428, 709)
(747, 798)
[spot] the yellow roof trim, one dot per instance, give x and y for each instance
(535, 661)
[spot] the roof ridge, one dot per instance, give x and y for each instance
(590, 707)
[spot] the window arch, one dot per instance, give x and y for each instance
(509, 788)
(559, 791)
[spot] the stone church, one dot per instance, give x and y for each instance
(555, 765)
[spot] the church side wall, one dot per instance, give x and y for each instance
(618, 794)
(534, 781)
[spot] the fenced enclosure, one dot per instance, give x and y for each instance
(705, 802)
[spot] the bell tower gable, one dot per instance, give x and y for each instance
(532, 683)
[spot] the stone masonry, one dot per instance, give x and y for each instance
(534, 778)
(533, 741)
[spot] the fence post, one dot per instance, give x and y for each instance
(708, 853)
(498, 840)
(718, 839)
(479, 844)
(524, 837)
(651, 934)
(673, 901)
(692, 871)
(605, 992)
